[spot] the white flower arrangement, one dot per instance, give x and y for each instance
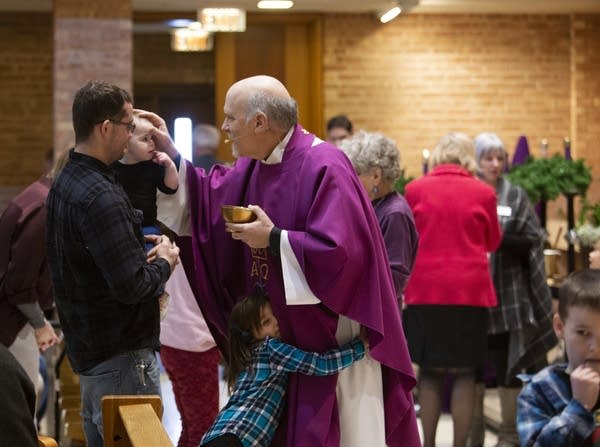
(587, 235)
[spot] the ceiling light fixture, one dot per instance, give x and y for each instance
(274, 4)
(390, 14)
(193, 38)
(401, 6)
(222, 19)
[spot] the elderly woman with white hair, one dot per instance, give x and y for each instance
(376, 160)
(450, 289)
(520, 327)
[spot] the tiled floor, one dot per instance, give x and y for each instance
(172, 422)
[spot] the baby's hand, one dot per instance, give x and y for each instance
(162, 159)
(585, 383)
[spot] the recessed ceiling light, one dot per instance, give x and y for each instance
(275, 4)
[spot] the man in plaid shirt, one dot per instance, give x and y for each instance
(105, 289)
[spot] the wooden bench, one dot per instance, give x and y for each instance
(133, 421)
(67, 404)
(46, 441)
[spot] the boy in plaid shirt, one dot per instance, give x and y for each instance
(559, 406)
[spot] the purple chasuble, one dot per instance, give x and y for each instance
(316, 196)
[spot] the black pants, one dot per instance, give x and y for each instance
(226, 440)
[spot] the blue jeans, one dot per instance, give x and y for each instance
(133, 372)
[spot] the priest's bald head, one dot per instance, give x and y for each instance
(259, 111)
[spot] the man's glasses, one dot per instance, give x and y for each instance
(130, 126)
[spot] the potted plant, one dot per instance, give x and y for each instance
(547, 178)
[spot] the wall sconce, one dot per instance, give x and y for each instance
(222, 19)
(401, 6)
(191, 39)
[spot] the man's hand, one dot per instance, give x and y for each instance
(163, 248)
(160, 133)
(585, 384)
(254, 234)
(46, 337)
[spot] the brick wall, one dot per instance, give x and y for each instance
(537, 75)
(431, 74)
(586, 93)
(25, 96)
(91, 41)
(426, 75)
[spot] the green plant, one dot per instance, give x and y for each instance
(547, 178)
(590, 213)
(402, 182)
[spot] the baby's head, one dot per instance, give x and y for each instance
(141, 145)
(578, 319)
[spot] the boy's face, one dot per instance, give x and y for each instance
(268, 324)
(141, 145)
(581, 333)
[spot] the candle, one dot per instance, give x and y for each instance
(544, 148)
(425, 161)
(567, 145)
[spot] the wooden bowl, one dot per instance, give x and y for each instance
(237, 214)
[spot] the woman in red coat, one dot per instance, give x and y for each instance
(450, 287)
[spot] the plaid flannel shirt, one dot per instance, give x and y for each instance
(105, 290)
(524, 301)
(254, 409)
(548, 416)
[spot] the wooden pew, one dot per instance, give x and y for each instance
(68, 423)
(133, 421)
(46, 441)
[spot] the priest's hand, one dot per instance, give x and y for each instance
(255, 234)
(160, 133)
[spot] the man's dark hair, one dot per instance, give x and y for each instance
(581, 288)
(95, 102)
(340, 121)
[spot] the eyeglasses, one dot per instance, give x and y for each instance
(130, 126)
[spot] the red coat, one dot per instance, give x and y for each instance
(456, 218)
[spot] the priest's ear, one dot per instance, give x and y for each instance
(261, 123)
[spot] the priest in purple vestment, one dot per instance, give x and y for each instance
(317, 250)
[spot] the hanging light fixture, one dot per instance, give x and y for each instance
(192, 38)
(222, 19)
(275, 4)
